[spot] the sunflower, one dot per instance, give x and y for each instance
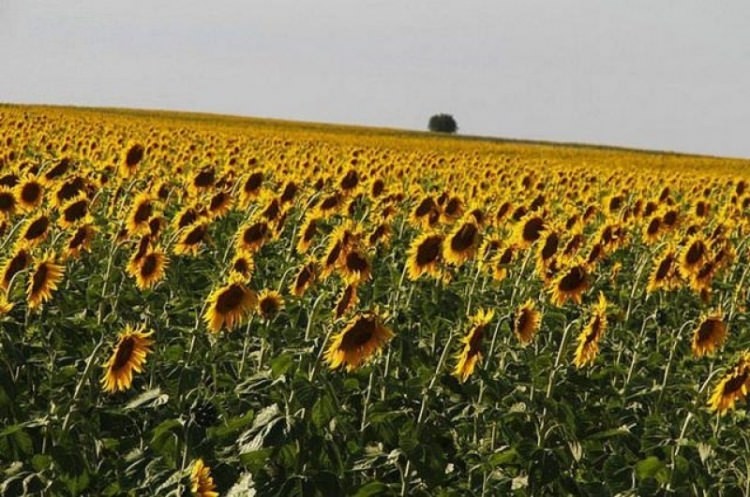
(526, 323)
(732, 386)
(529, 230)
(330, 205)
(423, 210)
(133, 157)
(187, 216)
(305, 277)
(355, 267)
(74, 211)
(30, 193)
(363, 337)
(140, 213)
(709, 335)
(570, 284)
(501, 262)
(381, 235)
(425, 255)
(20, 261)
(252, 237)
(201, 482)
(44, 279)
(462, 243)
(219, 205)
(692, 256)
(8, 203)
(664, 273)
(347, 300)
(191, 239)
(203, 180)
(307, 233)
(229, 305)
(471, 352)
(128, 356)
(270, 302)
(243, 264)
(150, 268)
(34, 231)
(251, 188)
(588, 340)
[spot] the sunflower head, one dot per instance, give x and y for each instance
(44, 280)
(526, 322)
(570, 284)
(201, 482)
(732, 386)
(128, 356)
(362, 338)
(709, 335)
(270, 302)
(229, 306)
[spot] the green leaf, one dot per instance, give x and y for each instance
(651, 467)
(323, 411)
(233, 426)
(505, 457)
(281, 365)
(371, 489)
(255, 461)
(149, 395)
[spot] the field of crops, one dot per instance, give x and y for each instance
(211, 306)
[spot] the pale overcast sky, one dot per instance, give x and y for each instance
(657, 74)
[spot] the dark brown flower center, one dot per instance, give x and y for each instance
(230, 299)
(358, 334)
(429, 250)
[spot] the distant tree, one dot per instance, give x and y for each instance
(442, 123)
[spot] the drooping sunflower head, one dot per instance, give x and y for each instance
(471, 351)
(347, 300)
(143, 208)
(20, 261)
(229, 306)
(34, 231)
(270, 302)
(693, 255)
(425, 255)
(356, 267)
(528, 230)
(663, 274)
(570, 284)
(128, 356)
(134, 154)
(588, 340)
(74, 212)
(192, 238)
(44, 280)
(253, 236)
(362, 338)
(709, 335)
(305, 277)
(732, 386)
(526, 322)
(307, 233)
(462, 243)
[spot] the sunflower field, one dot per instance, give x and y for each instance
(206, 305)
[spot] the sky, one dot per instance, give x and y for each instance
(657, 74)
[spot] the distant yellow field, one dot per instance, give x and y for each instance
(205, 303)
